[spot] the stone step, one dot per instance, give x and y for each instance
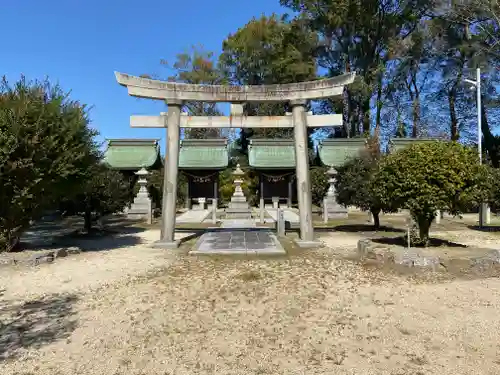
(193, 216)
(238, 223)
(288, 214)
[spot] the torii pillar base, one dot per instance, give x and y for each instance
(308, 244)
(166, 244)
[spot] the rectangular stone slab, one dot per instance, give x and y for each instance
(238, 242)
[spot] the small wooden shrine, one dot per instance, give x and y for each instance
(201, 160)
(274, 161)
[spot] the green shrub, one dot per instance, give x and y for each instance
(427, 177)
(46, 148)
(354, 185)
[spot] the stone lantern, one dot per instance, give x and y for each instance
(238, 207)
(331, 209)
(141, 208)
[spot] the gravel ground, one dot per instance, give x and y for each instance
(141, 311)
(88, 270)
(471, 238)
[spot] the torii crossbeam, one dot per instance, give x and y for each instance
(187, 121)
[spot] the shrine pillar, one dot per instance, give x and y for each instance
(304, 195)
(169, 203)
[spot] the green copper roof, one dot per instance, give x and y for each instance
(396, 144)
(132, 154)
(203, 154)
(271, 153)
(335, 152)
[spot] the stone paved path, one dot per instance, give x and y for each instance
(193, 216)
(239, 242)
(288, 213)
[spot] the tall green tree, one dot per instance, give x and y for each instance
(268, 50)
(354, 184)
(46, 149)
(485, 15)
(411, 73)
(356, 36)
(198, 66)
(456, 51)
(105, 192)
(480, 21)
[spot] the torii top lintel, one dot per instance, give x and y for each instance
(172, 91)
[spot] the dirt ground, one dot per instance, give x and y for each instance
(137, 310)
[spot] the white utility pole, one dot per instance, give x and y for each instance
(477, 85)
(484, 217)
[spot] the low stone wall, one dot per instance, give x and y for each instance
(415, 257)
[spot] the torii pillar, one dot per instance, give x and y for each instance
(170, 176)
(304, 194)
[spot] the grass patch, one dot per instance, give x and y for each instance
(251, 275)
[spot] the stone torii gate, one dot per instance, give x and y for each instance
(175, 94)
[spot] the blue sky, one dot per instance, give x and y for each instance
(80, 43)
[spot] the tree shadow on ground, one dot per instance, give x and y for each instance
(352, 228)
(33, 324)
(96, 240)
(487, 228)
(51, 233)
(120, 220)
(401, 241)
